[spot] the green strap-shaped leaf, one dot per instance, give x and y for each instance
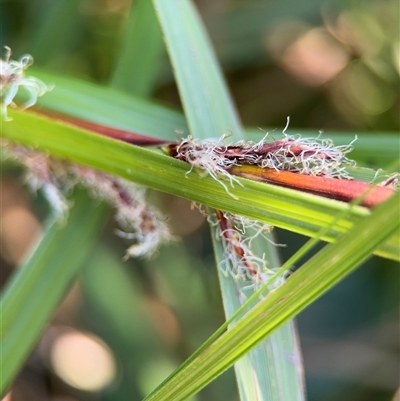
(37, 287)
(265, 373)
(140, 53)
(292, 210)
(50, 34)
(107, 106)
(303, 287)
(207, 104)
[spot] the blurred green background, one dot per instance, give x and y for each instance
(329, 65)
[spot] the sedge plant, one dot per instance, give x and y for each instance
(113, 141)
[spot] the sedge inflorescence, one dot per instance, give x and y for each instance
(317, 157)
(207, 157)
(139, 222)
(237, 234)
(12, 78)
(309, 156)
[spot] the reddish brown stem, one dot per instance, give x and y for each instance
(333, 188)
(239, 153)
(122, 135)
(228, 233)
(340, 189)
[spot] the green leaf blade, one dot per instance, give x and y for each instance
(313, 279)
(138, 59)
(210, 113)
(34, 292)
(286, 208)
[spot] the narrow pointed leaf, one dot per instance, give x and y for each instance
(286, 208)
(38, 286)
(313, 279)
(107, 106)
(210, 113)
(141, 52)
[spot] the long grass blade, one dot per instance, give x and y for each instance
(108, 106)
(141, 52)
(36, 289)
(313, 279)
(55, 31)
(182, 30)
(286, 208)
(265, 373)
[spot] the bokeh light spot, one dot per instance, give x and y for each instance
(315, 57)
(83, 361)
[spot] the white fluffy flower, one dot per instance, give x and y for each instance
(12, 77)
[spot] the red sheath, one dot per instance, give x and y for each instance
(122, 135)
(334, 188)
